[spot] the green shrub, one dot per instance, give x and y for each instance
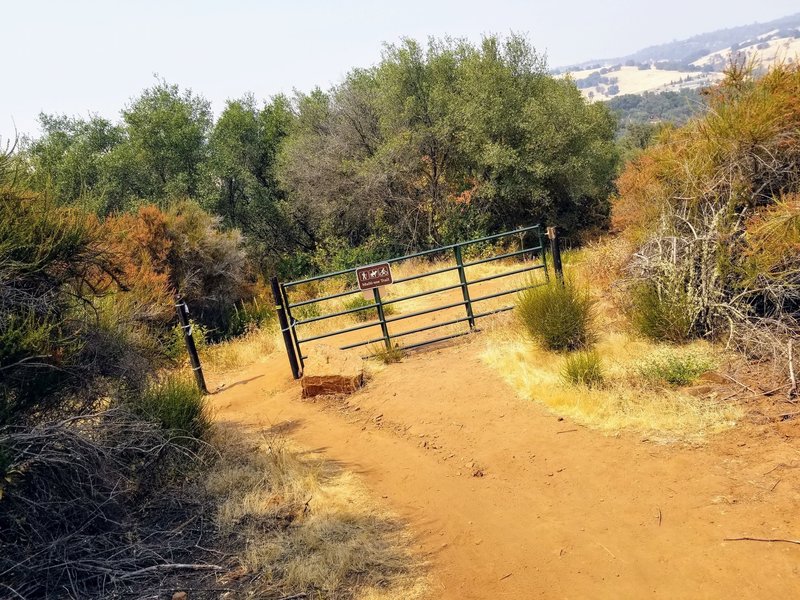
(583, 368)
(176, 404)
(248, 316)
(359, 301)
(664, 314)
(557, 316)
(53, 269)
(175, 346)
(206, 263)
(675, 368)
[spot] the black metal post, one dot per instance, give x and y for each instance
(462, 276)
(555, 250)
(287, 308)
(376, 292)
(194, 359)
(543, 254)
(283, 322)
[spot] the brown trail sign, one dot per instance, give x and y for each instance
(373, 276)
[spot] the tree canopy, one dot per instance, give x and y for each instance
(435, 143)
(438, 143)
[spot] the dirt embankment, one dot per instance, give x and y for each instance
(510, 501)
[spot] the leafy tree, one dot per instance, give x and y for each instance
(638, 137)
(71, 160)
(243, 150)
(446, 141)
(167, 134)
(539, 151)
(157, 153)
(652, 107)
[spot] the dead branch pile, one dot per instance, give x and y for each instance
(715, 210)
(700, 255)
(85, 510)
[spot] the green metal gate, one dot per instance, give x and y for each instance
(292, 327)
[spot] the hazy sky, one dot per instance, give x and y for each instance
(81, 56)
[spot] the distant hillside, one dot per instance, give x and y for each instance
(689, 50)
(688, 64)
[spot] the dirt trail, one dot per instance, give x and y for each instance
(511, 502)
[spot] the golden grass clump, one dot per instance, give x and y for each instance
(387, 356)
(601, 263)
(240, 352)
(583, 368)
(308, 527)
(176, 404)
(625, 402)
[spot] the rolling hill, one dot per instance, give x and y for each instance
(688, 64)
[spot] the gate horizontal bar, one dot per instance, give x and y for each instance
(318, 277)
(415, 255)
(349, 292)
(404, 333)
(418, 254)
(434, 340)
(506, 274)
(476, 316)
(365, 343)
(338, 332)
(424, 312)
(420, 294)
(421, 275)
(489, 313)
(506, 292)
(433, 326)
(336, 314)
(331, 297)
(499, 256)
(498, 235)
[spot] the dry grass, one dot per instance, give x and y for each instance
(625, 403)
(602, 263)
(632, 80)
(385, 355)
(242, 351)
(307, 527)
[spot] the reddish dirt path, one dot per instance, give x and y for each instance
(560, 511)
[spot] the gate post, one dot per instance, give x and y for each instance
(462, 276)
(287, 308)
(283, 322)
(382, 317)
(555, 250)
(194, 359)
